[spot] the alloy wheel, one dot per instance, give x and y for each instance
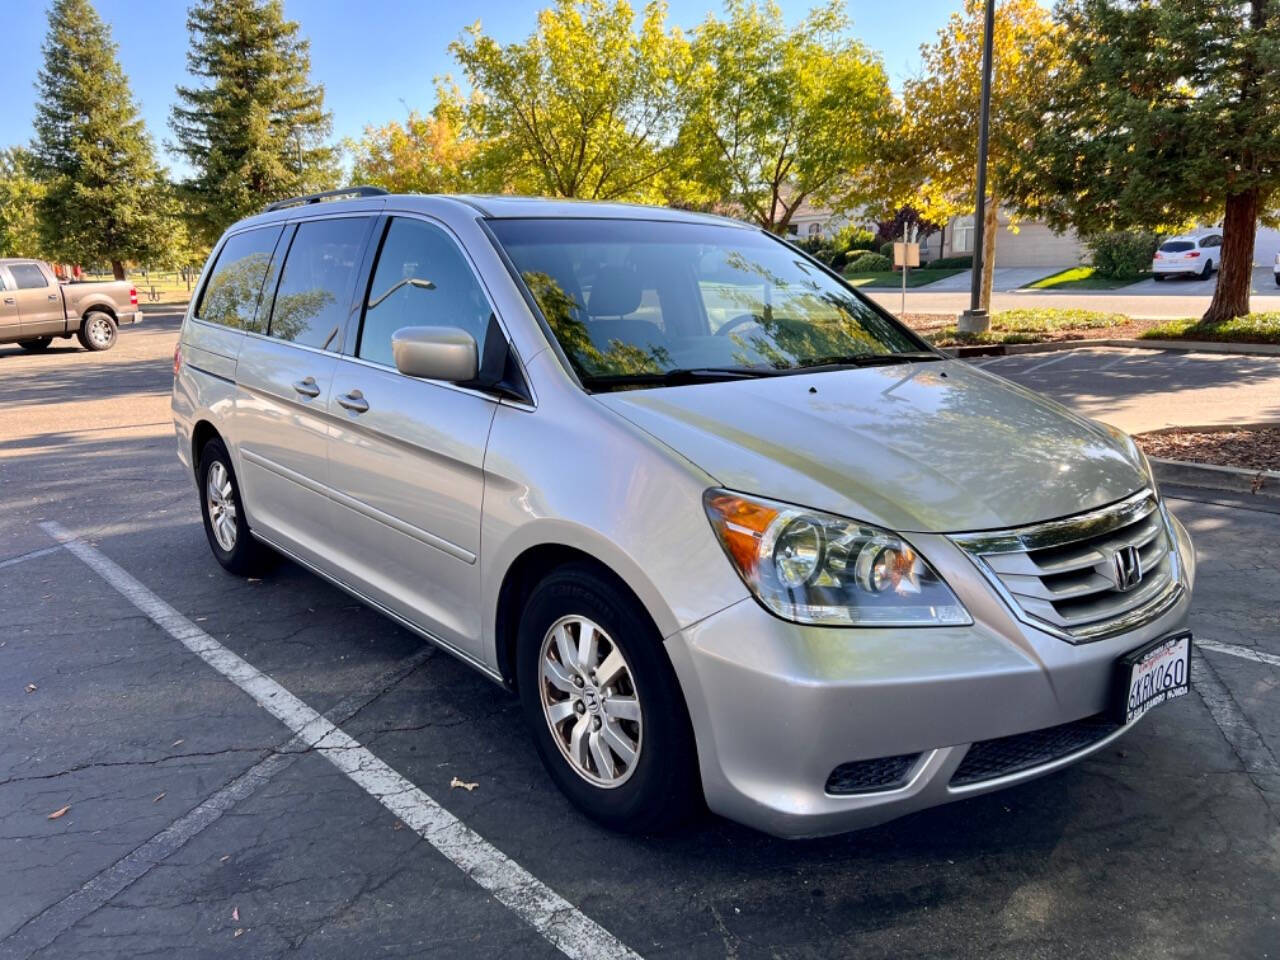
(98, 330)
(222, 505)
(590, 701)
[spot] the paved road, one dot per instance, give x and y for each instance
(1177, 297)
(1139, 390)
(197, 828)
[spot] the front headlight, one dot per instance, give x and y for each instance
(813, 567)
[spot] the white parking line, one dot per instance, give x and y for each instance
(1045, 363)
(1238, 650)
(560, 922)
(1121, 359)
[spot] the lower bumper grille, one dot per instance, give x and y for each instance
(989, 759)
(871, 776)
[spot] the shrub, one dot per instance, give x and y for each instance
(852, 239)
(886, 250)
(869, 263)
(952, 263)
(820, 248)
(1122, 255)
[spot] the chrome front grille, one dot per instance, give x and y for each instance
(1087, 576)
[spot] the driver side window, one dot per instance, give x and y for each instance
(421, 280)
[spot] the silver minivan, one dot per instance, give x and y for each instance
(734, 534)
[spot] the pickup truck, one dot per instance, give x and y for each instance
(35, 307)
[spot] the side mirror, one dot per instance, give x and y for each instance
(436, 353)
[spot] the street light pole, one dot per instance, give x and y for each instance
(975, 319)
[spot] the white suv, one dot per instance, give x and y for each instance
(1194, 255)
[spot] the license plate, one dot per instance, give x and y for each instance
(1149, 676)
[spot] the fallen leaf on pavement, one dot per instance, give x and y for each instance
(455, 783)
(59, 812)
(397, 825)
(235, 914)
(239, 931)
(32, 688)
(224, 859)
(177, 743)
(158, 799)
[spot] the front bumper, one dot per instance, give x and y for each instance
(776, 706)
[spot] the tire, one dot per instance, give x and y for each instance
(1158, 277)
(38, 345)
(98, 331)
(658, 789)
(225, 524)
(1207, 270)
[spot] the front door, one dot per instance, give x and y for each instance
(406, 456)
(39, 301)
(284, 383)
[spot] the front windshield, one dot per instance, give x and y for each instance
(630, 298)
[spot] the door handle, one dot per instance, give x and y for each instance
(10, 300)
(53, 296)
(354, 401)
(307, 387)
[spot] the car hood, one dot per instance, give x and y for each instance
(935, 446)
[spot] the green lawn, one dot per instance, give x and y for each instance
(169, 287)
(1082, 278)
(1030, 326)
(893, 279)
(1254, 328)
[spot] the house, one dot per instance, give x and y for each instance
(1028, 243)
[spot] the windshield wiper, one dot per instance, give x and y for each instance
(675, 378)
(868, 360)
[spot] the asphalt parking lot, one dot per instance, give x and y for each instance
(260, 768)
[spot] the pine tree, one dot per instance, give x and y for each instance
(91, 150)
(256, 129)
(1163, 115)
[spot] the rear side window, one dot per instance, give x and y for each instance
(317, 282)
(1176, 246)
(421, 280)
(28, 276)
(231, 295)
(1211, 242)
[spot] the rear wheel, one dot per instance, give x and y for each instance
(38, 345)
(97, 332)
(225, 523)
(1158, 277)
(603, 704)
(1206, 270)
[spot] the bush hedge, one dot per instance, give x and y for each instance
(952, 263)
(1122, 255)
(886, 250)
(869, 263)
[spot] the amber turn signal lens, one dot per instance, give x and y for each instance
(741, 524)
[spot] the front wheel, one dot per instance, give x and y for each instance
(38, 345)
(225, 523)
(603, 704)
(98, 332)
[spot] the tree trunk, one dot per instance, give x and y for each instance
(117, 269)
(990, 221)
(1235, 273)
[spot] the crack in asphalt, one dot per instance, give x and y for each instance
(44, 927)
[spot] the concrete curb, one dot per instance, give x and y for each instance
(1173, 346)
(1214, 477)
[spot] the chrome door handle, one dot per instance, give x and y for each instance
(10, 300)
(307, 387)
(354, 401)
(53, 296)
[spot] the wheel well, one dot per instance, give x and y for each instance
(529, 569)
(202, 434)
(98, 308)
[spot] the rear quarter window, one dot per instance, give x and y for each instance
(231, 295)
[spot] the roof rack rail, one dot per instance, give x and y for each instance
(317, 197)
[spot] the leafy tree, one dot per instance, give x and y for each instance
(425, 154)
(1161, 115)
(20, 195)
(91, 150)
(777, 116)
(256, 129)
(943, 104)
(585, 107)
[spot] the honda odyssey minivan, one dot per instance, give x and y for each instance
(734, 534)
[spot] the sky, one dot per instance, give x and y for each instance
(379, 62)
